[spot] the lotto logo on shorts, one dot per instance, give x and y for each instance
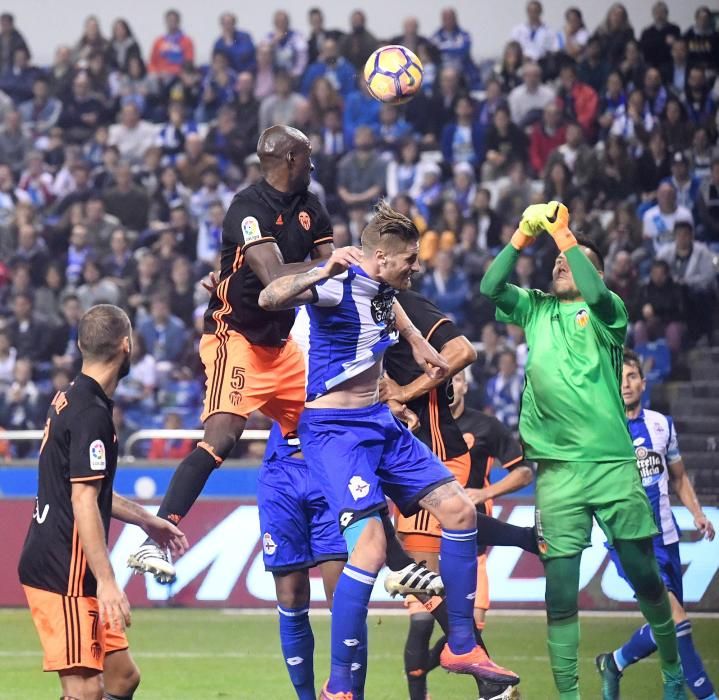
(268, 544)
(358, 487)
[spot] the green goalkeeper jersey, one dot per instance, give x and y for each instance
(572, 408)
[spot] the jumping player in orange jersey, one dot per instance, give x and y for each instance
(251, 363)
(78, 609)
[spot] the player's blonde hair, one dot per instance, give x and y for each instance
(387, 225)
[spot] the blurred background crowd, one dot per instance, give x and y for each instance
(118, 161)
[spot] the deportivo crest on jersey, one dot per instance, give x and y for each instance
(268, 544)
(358, 487)
(305, 220)
(98, 462)
(251, 229)
(582, 318)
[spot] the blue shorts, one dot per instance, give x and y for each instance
(358, 456)
(298, 529)
(670, 567)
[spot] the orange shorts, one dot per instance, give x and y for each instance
(242, 378)
(422, 532)
(70, 631)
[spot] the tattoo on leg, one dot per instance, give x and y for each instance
(442, 493)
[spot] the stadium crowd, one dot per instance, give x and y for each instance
(117, 164)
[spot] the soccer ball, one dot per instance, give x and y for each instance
(393, 74)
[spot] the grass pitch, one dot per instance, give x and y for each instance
(206, 654)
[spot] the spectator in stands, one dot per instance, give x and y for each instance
(119, 264)
(674, 72)
(10, 195)
(528, 100)
(617, 171)
(31, 249)
(675, 126)
(358, 43)
(657, 39)
(698, 99)
(361, 172)
(49, 293)
(41, 112)
(655, 93)
(136, 86)
(17, 80)
(404, 172)
(171, 50)
(580, 158)
(79, 186)
(170, 449)
(634, 123)
(193, 162)
(212, 190)
(318, 33)
(489, 224)
(91, 41)
(78, 252)
(329, 64)
(247, 110)
(447, 286)
(182, 296)
(95, 288)
(412, 39)
(593, 69)
(27, 333)
(463, 138)
(10, 40)
(393, 128)
(614, 33)
(462, 191)
(289, 47)
(659, 221)
(685, 183)
(508, 73)
(218, 88)
(209, 237)
(123, 45)
(100, 225)
(703, 40)
(163, 333)
(128, 202)
(19, 404)
(708, 205)
(82, 111)
(654, 166)
(14, 144)
(702, 152)
(504, 391)
(524, 273)
(546, 137)
(660, 309)
(691, 264)
(455, 46)
(580, 103)
(505, 144)
(236, 45)
(361, 109)
(623, 279)
(132, 135)
(61, 72)
(558, 183)
(574, 36)
(136, 393)
(632, 68)
(8, 357)
(613, 100)
(322, 98)
(284, 107)
(185, 87)
(536, 38)
(146, 283)
(265, 73)
(171, 136)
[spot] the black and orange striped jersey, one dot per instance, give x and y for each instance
(488, 439)
(79, 445)
(437, 427)
(297, 223)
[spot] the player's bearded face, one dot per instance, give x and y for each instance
(563, 284)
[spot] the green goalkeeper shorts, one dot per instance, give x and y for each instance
(569, 494)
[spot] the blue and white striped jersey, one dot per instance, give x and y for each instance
(351, 325)
(655, 445)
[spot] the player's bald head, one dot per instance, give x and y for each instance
(277, 142)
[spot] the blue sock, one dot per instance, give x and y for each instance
(298, 648)
(692, 664)
(349, 624)
(359, 667)
(638, 647)
(458, 566)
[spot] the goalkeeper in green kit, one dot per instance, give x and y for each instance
(572, 424)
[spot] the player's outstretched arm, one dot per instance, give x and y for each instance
(160, 530)
(431, 362)
(114, 608)
(687, 495)
(294, 290)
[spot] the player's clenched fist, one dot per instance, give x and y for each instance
(341, 259)
(555, 220)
